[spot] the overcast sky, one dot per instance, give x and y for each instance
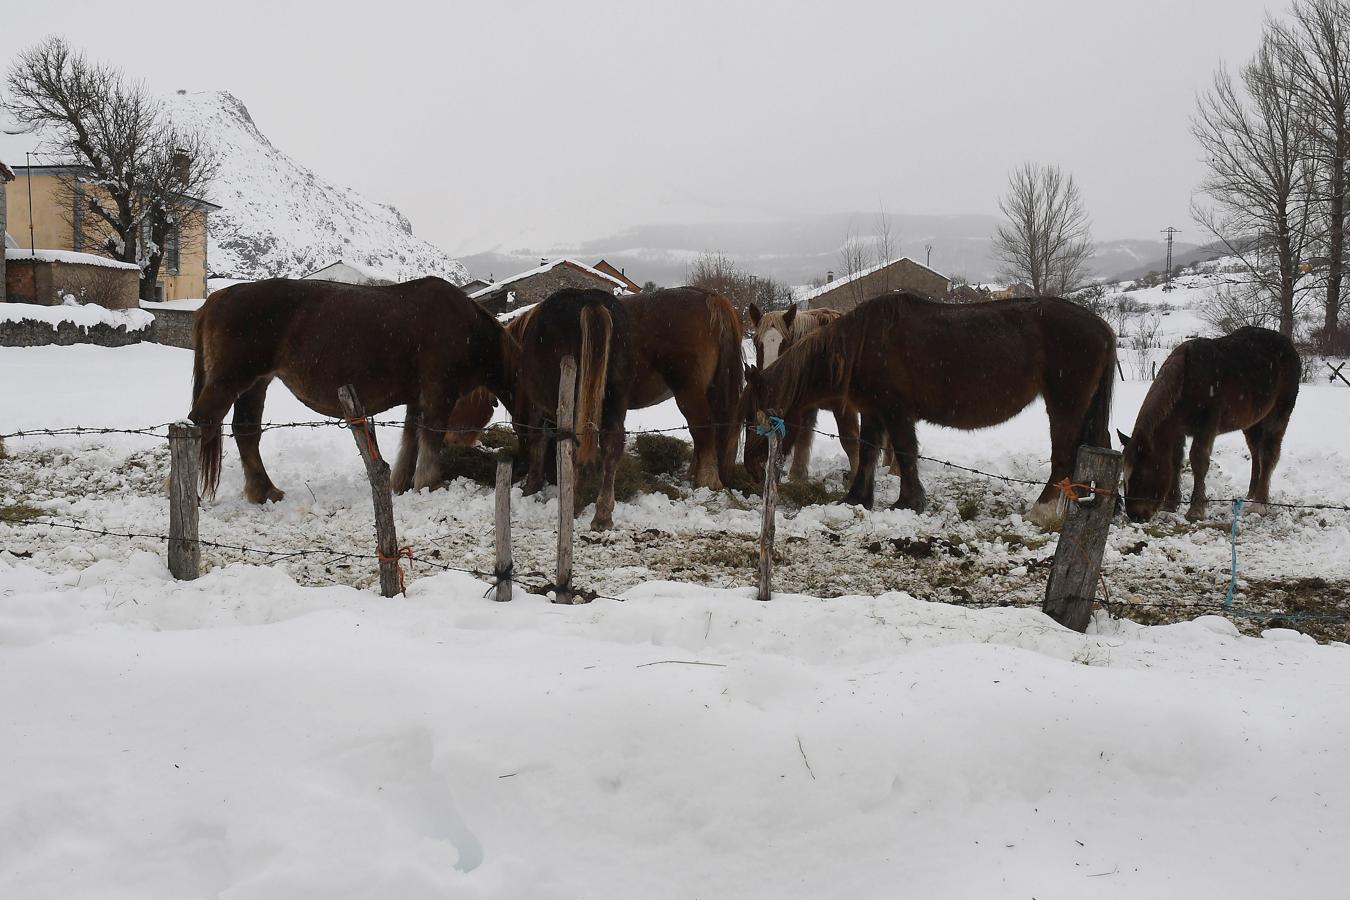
(517, 124)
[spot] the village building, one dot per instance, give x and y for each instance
(351, 273)
(475, 284)
(903, 274)
(535, 285)
(615, 272)
(54, 225)
(6, 176)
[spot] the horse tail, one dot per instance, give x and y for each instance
(597, 327)
(724, 393)
(211, 448)
(1097, 423)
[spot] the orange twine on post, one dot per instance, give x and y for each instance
(364, 425)
(403, 553)
(1071, 488)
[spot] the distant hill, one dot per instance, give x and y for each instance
(798, 250)
(280, 219)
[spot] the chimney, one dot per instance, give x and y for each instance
(543, 260)
(182, 165)
(829, 276)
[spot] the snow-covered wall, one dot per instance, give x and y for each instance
(280, 219)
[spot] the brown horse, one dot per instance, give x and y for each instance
(1247, 381)
(592, 327)
(422, 343)
(900, 358)
(775, 332)
(685, 344)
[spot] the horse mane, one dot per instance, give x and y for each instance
(821, 358)
(1165, 394)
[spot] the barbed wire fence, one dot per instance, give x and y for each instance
(538, 583)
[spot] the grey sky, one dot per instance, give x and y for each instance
(519, 124)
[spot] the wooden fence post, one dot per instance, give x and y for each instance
(504, 567)
(768, 521)
(386, 539)
(1078, 557)
(567, 442)
(185, 551)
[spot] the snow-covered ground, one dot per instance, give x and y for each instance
(276, 729)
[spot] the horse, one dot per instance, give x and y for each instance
(421, 343)
(775, 332)
(592, 327)
(900, 358)
(1247, 381)
(685, 344)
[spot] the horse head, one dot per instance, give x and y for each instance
(773, 333)
(1148, 472)
(758, 418)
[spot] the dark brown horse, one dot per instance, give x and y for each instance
(775, 332)
(1247, 381)
(422, 344)
(592, 327)
(685, 344)
(900, 359)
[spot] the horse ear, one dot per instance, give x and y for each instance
(755, 314)
(1124, 438)
(789, 315)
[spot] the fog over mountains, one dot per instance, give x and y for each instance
(807, 247)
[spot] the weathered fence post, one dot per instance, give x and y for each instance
(567, 442)
(1078, 558)
(386, 539)
(505, 566)
(768, 521)
(185, 551)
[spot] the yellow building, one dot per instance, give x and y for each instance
(54, 226)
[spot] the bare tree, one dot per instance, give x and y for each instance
(1262, 179)
(1315, 46)
(1047, 240)
(771, 294)
(860, 254)
(714, 270)
(136, 180)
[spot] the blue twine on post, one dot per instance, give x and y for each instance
(776, 425)
(1232, 543)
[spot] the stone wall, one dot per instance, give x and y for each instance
(172, 327)
(46, 283)
(901, 275)
(538, 288)
(29, 333)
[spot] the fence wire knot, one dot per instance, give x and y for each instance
(401, 553)
(1070, 489)
(776, 425)
(364, 425)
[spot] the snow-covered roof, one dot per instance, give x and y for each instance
(539, 270)
(6, 173)
(863, 273)
(334, 270)
(9, 242)
(68, 256)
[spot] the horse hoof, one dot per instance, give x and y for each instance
(851, 500)
(272, 494)
(1047, 515)
(598, 525)
(1195, 515)
(1255, 507)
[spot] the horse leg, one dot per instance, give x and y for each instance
(846, 421)
(248, 413)
(1272, 438)
(1052, 506)
(611, 451)
(208, 411)
(905, 441)
(804, 435)
(1255, 446)
(1201, 447)
(703, 469)
(860, 492)
(402, 478)
(535, 446)
(1173, 499)
(436, 409)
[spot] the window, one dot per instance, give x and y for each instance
(171, 243)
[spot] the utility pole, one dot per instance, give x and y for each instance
(32, 241)
(1167, 272)
(928, 260)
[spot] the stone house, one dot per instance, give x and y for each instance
(55, 226)
(535, 285)
(903, 274)
(615, 272)
(6, 176)
(48, 277)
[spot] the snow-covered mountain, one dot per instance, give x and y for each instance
(280, 219)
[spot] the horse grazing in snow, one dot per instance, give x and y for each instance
(686, 344)
(592, 327)
(900, 358)
(775, 332)
(422, 344)
(1247, 381)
